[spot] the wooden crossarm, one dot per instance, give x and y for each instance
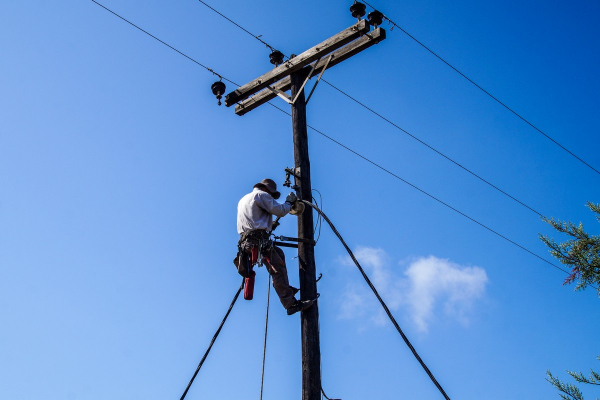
(340, 55)
(290, 66)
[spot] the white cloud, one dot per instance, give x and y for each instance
(428, 288)
(432, 280)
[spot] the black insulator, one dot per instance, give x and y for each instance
(218, 89)
(276, 57)
(375, 18)
(358, 10)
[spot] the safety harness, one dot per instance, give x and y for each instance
(260, 245)
(254, 248)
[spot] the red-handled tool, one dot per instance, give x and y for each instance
(249, 286)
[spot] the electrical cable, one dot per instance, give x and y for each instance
(262, 378)
(316, 227)
(347, 148)
(213, 340)
(432, 148)
(329, 222)
(426, 193)
(257, 37)
(319, 222)
(485, 91)
(166, 44)
(385, 307)
(323, 393)
(390, 122)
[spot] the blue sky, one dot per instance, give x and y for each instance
(120, 177)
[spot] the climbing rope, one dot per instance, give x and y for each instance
(262, 378)
(385, 307)
(213, 340)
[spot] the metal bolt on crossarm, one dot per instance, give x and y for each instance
(276, 57)
(218, 89)
(375, 18)
(358, 10)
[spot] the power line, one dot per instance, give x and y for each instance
(350, 150)
(426, 193)
(257, 37)
(335, 231)
(166, 44)
(486, 92)
(390, 122)
(434, 149)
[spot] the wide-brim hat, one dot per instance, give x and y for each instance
(269, 186)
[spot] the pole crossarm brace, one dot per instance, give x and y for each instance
(319, 78)
(295, 64)
(287, 98)
(338, 56)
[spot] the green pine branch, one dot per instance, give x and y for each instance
(568, 391)
(581, 252)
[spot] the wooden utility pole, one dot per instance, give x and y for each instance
(311, 348)
(293, 75)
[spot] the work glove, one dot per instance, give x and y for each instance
(297, 208)
(291, 198)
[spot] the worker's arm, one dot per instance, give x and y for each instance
(270, 205)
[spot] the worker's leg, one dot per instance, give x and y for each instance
(281, 283)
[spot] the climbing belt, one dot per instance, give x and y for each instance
(213, 340)
(262, 378)
(387, 310)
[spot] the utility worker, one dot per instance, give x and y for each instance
(254, 224)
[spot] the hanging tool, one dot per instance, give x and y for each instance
(249, 286)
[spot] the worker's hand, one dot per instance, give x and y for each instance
(297, 208)
(291, 198)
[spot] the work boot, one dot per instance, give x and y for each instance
(300, 305)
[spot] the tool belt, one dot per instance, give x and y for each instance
(254, 236)
(254, 247)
